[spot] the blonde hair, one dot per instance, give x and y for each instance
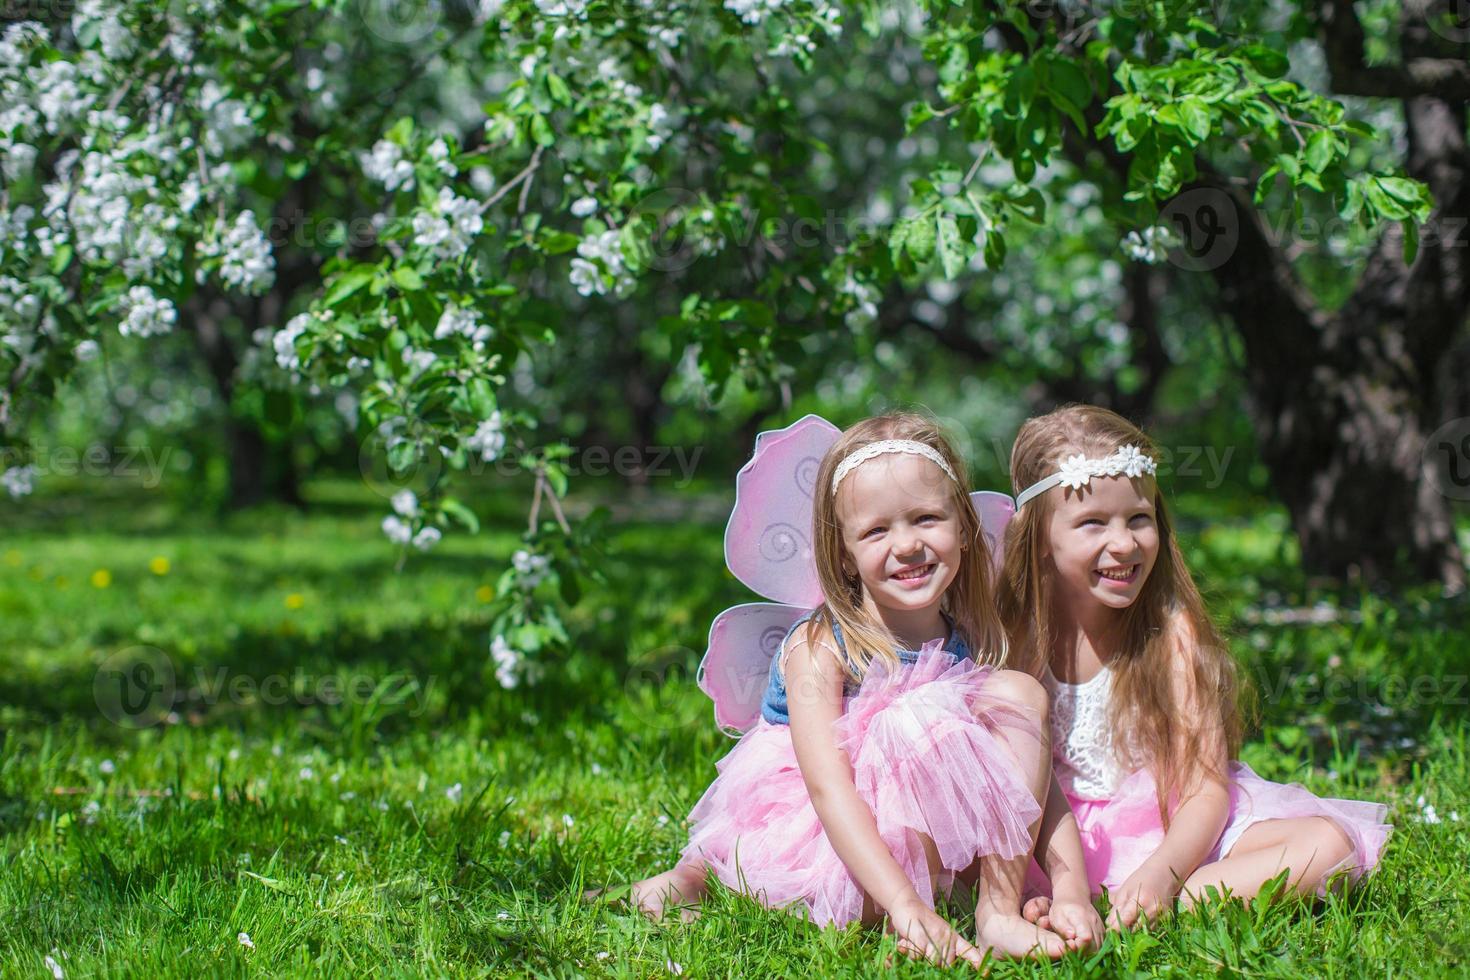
(1182, 744)
(969, 600)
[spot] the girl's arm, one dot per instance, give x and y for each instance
(1204, 808)
(814, 703)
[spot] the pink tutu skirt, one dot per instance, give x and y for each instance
(927, 758)
(1119, 834)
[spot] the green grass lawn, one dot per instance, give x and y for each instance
(430, 822)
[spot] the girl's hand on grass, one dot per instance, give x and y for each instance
(1145, 893)
(922, 932)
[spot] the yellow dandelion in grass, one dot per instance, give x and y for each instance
(62, 581)
(295, 600)
(484, 593)
(102, 578)
(159, 565)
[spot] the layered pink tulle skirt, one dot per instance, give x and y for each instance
(1120, 833)
(927, 758)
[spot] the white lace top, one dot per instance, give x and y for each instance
(1082, 743)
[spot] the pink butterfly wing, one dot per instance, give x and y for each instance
(995, 511)
(735, 669)
(768, 540)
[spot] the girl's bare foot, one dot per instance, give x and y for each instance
(1036, 911)
(1012, 937)
(681, 887)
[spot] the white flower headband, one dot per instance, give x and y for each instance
(1077, 471)
(857, 457)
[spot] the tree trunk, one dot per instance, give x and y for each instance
(258, 472)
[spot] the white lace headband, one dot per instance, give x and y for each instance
(1077, 471)
(857, 457)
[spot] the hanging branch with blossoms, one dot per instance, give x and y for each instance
(512, 169)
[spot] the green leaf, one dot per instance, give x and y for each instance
(1069, 82)
(947, 239)
(457, 510)
(408, 279)
(348, 283)
(995, 250)
(1267, 61)
(1320, 149)
(61, 259)
(402, 131)
(1196, 116)
(558, 88)
(920, 243)
(1028, 203)
(541, 130)
(896, 240)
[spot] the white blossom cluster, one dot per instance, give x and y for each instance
(600, 258)
(459, 322)
(530, 567)
(386, 165)
(246, 262)
(864, 299)
(19, 481)
(1151, 246)
(284, 341)
(147, 314)
(511, 665)
(227, 122)
(449, 227)
(825, 17)
(488, 440)
(399, 527)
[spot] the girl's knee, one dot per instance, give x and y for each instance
(1022, 691)
(1331, 843)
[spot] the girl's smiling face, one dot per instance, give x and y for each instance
(1103, 540)
(900, 531)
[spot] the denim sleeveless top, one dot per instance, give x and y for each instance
(773, 704)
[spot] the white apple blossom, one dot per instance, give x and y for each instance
(508, 662)
(246, 262)
(584, 206)
(147, 314)
(19, 481)
(397, 531)
(457, 321)
(488, 440)
(427, 537)
(284, 341)
(449, 228)
(405, 503)
(587, 277)
(439, 155)
(532, 568)
(385, 164)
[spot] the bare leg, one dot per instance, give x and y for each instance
(1310, 846)
(681, 887)
(999, 925)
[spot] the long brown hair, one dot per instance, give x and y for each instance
(969, 600)
(1182, 747)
